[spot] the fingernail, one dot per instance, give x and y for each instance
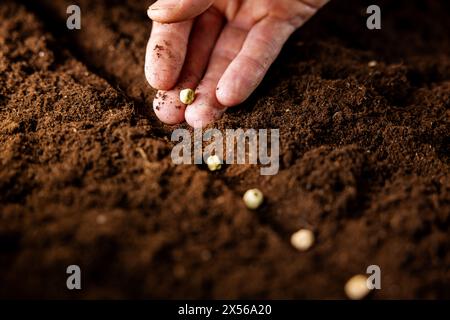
(164, 5)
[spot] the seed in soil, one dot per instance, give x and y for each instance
(302, 240)
(372, 64)
(214, 163)
(187, 96)
(356, 288)
(253, 198)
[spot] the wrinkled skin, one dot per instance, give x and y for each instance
(221, 48)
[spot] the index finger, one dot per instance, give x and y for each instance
(166, 51)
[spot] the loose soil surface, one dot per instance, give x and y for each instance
(86, 176)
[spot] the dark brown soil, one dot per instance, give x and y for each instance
(86, 176)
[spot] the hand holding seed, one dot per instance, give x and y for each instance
(223, 48)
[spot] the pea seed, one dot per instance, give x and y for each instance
(187, 96)
(253, 198)
(214, 163)
(302, 240)
(356, 287)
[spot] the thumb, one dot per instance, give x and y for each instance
(171, 11)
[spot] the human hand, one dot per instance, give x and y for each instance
(220, 48)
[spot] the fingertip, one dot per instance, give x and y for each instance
(199, 117)
(167, 107)
(226, 96)
(238, 82)
(193, 120)
(159, 79)
(206, 108)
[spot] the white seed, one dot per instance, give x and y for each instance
(356, 288)
(253, 198)
(372, 64)
(187, 96)
(214, 163)
(302, 240)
